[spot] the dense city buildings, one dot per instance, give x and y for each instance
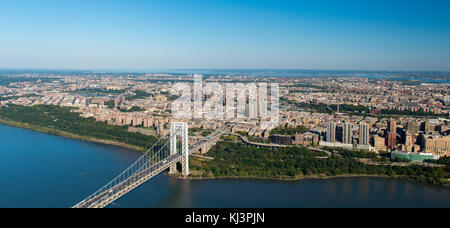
(350, 112)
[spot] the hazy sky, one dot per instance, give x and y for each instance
(169, 34)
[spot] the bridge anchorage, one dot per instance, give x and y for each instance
(165, 154)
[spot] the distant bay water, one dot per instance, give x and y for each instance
(423, 76)
(428, 77)
(41, 170)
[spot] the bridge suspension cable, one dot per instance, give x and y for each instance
(162, 155)
(155, 155)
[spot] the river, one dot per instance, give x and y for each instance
(41, 170)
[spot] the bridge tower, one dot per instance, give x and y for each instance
(178, 129)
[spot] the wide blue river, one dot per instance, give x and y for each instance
(41, 170)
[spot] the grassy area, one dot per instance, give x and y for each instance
(200, 131)
(289, 131)
(100, 91)
(258, 139)
(139, 94)
(133, 109)
(352, 153)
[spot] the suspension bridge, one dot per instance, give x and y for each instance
(165, 154)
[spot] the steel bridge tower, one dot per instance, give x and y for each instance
(164, 154)
(180, 131)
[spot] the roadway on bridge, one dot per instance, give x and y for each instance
(143, 170)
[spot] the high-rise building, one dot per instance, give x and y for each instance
(410, 140)
(364, 134)
(262, 101)
(391, 141)
(447, 100)
(2, 90)
(251, 110)
(379, 143)
(392, 126)
(348, 133)
(438, 146)
(339, 137)
(331, 132)
(391, 135)
(118, 101)
(413, 127)
(429, 126)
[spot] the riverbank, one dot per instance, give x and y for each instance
(287, 179)
(196, 176)
(313, 177)
(68, 134)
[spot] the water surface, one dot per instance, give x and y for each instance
(41, 170)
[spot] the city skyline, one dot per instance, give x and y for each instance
(145, 35)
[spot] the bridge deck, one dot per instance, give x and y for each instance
(105, 198)
(111, 193)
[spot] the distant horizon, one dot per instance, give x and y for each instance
(112, 70)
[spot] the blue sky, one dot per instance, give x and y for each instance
(271, 34)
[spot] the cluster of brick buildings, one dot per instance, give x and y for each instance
(375, 95)
(414, 137)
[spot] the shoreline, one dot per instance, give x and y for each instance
(68, 135)
(313, 177)
(322, 177)
(138, 149)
